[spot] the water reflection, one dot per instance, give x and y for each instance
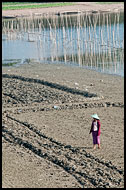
(95, 41)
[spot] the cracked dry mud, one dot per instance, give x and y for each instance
(48, 146)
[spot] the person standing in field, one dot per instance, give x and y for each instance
(95, 130)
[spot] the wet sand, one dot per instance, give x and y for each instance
(46, 119)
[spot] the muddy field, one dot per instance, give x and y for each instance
(46, 121)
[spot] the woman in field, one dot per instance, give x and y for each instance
(95, 130)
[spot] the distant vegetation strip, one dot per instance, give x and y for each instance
(15, 3)
(14, 6)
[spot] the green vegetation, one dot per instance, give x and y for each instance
(14, 3)
(9, 64)
(17, 5)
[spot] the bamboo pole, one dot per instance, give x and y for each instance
(64, 36)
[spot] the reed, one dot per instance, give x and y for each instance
(85, 39)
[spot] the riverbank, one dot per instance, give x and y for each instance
(46, 119)
(82, 7)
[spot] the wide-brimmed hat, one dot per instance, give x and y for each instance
(95, 116)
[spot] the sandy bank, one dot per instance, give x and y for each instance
(80, 6)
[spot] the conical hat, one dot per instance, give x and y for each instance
(95, 116)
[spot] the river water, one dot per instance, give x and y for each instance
(93, 41)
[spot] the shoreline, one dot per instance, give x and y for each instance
(82, 7)
(46, 119)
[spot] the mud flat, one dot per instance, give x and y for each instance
(46, 111)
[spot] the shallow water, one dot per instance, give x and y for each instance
(94, 41)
